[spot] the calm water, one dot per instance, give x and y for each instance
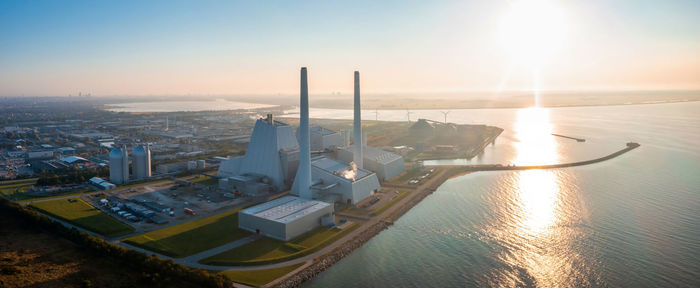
(633, 221)
(177, 106)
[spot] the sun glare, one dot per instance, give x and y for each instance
(532, 31)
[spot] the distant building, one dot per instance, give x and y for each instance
(285, 218)
(101, 183)
(39, 154)
(171, 167)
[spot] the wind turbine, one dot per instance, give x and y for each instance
(376, 115)
(445, 113)
(408, 115)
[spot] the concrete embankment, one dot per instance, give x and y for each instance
(346, 248)
(322, 263)
(498, 167)
(569, 137)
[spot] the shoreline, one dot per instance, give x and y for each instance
(324, 262)
(370, 107)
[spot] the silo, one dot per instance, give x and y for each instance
(116, 169)
(139, 162)
(125, 163)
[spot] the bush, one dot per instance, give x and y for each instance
(157, 269)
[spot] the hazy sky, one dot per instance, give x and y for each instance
(241, 47)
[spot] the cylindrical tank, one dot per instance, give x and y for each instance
(142, 162)
(139, 155)
(116, 168)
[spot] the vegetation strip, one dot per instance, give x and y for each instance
(192, 237)
(259, 277)
(267, 250)
(84, 215)
(158, 268)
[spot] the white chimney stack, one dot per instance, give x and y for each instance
(302, 181)
(357, 125)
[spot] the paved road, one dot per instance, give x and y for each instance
(191, 261)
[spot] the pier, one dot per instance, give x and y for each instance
(499, 167)
(568, 137)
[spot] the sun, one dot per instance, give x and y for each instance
(532, 31)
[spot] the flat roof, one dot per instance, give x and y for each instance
(331, 165)
(285, 209)
(376, 154)
(322, 131)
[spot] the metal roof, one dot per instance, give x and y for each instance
(331, 165)
(376, 154)
(321, 130)
(285, 209)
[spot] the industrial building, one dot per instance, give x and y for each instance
(272, 156)
(323, 139)
(387, 165)
(142, 162)
(101, 183)
(336, 181)
(286, 217)
(119, 165)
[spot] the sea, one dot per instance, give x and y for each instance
(632, 221)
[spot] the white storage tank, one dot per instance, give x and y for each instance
(116, 169)
(142, 162)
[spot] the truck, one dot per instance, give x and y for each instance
(189, 211)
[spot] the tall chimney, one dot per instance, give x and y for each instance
(302, 181)
(357, 125)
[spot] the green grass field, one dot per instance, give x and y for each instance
(267, 250)
(192, 237)
(84, 215)
(206, 180)
(380, 210)
(259, 278)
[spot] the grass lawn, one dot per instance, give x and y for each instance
(192, 237)
(84, 215)
(380, 210)
(267, 250)
(142, 183)
(206, 180)
(259, 278)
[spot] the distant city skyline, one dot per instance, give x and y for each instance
(56, 48)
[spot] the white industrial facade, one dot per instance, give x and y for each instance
(337, 181)
(284, 218)
(387, 165)
(271, 144)
(323, 138)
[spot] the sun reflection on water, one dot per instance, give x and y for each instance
(535, 199)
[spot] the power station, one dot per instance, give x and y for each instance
(277, 160)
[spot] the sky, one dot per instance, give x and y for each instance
(56, 48)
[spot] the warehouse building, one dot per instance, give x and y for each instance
(285, 218)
